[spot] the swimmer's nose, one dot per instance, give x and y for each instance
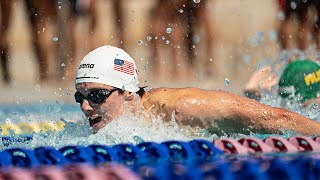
(85, 106)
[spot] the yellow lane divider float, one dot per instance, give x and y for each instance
(23, 131)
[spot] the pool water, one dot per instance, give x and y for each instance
(126, 129)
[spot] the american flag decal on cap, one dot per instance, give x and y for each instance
(123, 66)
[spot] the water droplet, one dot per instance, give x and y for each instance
(138, 139)
(226, 81)
(37, 87)
(293, 5)
(140, 42)
(257, 38)
(63, 65)
(246, 59)
(149, 38)
(163, 38)
(59, 7)
(145, 67)
(180, 11)
(167, 42)
(169, 30)
(273, 36)
(196, 39)
(196, 1)
(281, 16)
(55, 39)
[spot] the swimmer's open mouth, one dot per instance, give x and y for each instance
(93, 121)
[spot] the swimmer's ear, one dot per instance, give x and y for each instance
(128, 96)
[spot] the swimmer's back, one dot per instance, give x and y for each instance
(174, 94)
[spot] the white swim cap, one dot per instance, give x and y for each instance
(111, 66)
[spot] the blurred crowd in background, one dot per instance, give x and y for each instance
(180, 37)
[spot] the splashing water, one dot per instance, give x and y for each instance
(126, 129)
(55, 39)
(149, 38)
(226, 81)
(180, 11)
(140, 42)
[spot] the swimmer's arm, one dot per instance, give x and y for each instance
(263, 79)
(231, 113)
(274, 119)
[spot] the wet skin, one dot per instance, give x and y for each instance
(215, 110)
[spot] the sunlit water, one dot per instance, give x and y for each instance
(126, 129)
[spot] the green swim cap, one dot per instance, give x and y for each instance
(300, 79)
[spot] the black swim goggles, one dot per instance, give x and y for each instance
(95, 96)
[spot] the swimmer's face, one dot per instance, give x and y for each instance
(99, 114)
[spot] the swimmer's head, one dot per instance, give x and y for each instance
(110, 66)
(300, 80)
(105, 80)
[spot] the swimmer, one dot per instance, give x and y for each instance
(299, 81)
(107, 86)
